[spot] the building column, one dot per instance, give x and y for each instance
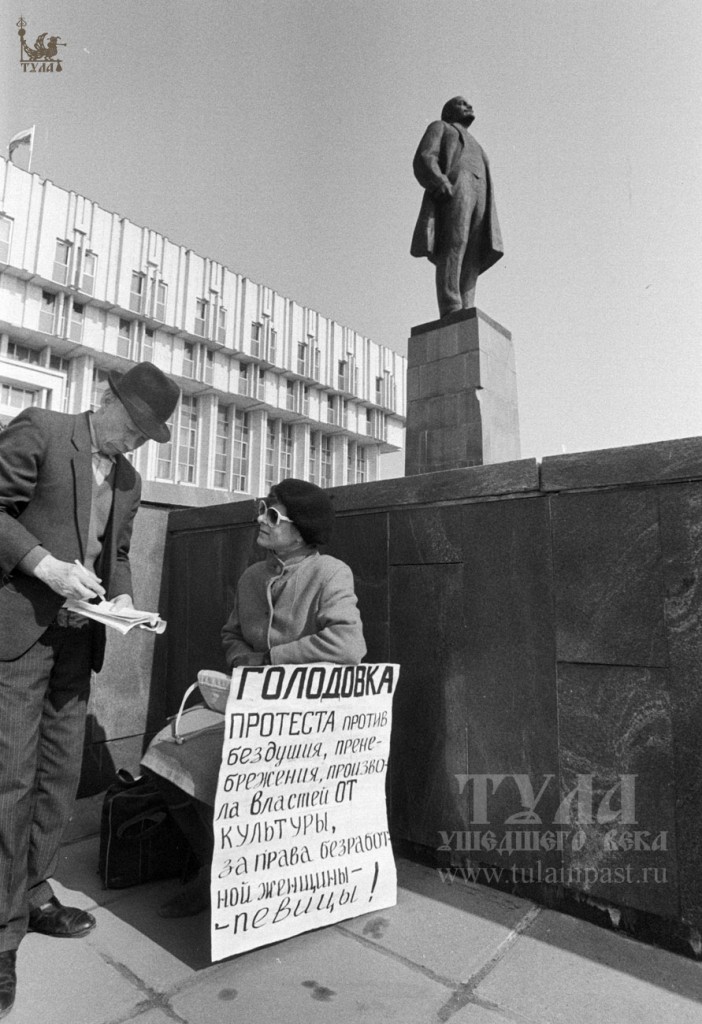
(258, 421)
(207, 431)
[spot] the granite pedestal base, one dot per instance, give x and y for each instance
(461, 394)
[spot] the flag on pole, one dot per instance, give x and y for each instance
(20, 139)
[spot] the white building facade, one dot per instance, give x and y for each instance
(270, 388)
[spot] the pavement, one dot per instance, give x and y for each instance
(460, 953)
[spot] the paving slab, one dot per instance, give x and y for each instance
(566, 971)
(65, 981)
(130, 950)
(474, 1013)
(452, 931)
(313, 978)
(157, 1016)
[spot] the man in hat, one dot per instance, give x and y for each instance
(457, 228)
(68, 498)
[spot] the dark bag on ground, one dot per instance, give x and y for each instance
(139, 841)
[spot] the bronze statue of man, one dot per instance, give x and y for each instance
(457, 228)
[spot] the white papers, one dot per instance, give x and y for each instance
(121, 619)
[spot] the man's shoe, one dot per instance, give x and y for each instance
(59, 921)
(8, 980)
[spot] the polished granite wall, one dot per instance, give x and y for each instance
(548, 621)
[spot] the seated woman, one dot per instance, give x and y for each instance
(295, 606)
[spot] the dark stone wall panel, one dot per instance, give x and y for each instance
(477, 693)
(362, 542)
(616, 722)
(429, 737)
(681, 541)
(427, 535)
(606, 555)
(204, 569)
(510, 672)
(641, 463)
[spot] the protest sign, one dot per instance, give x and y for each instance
(300, 822)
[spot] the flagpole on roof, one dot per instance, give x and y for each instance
(21, 138)
(31, 149)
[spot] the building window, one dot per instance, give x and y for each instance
(221, 325)
(201, 317)
(164, 464)
(313, 468)
(136, 294)
(188, 360)
(385, 390)
(389, 390)
(344, 413)
(290, 395)
(47, 313)
(87, 283)
(272, 345)
(331, 411)
(327, 476)
(61, 261)
(343, 377)
(100, 382)
(261, 390)
(23, 354)
(302, 351)
(207, 365)
(244, 385)
(160, 304)
(256, 337)
(271, 455)
(58, 363)
(369, 421)
(124, 339)
(75, 328)
(187, 439)
(17, 398)
(5, 238)
(286, 450)
(361, 465)
(240, 462)
(222, 444)
(147, 346)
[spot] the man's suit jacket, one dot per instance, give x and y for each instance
(46, 480)
(435, 161)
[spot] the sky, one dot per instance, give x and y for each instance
(277, 136)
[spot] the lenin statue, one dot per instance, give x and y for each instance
(457, 228)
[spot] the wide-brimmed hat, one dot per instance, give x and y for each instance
(149, 396)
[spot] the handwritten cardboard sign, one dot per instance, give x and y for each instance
(300, 823)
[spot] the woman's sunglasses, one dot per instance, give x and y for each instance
(273, 516)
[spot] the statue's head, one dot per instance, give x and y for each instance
(458, 109)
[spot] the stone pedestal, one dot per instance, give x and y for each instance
(461, 394)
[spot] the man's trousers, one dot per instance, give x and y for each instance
(43, 700)
(460, 230)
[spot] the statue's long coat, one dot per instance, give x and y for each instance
(436, 161)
